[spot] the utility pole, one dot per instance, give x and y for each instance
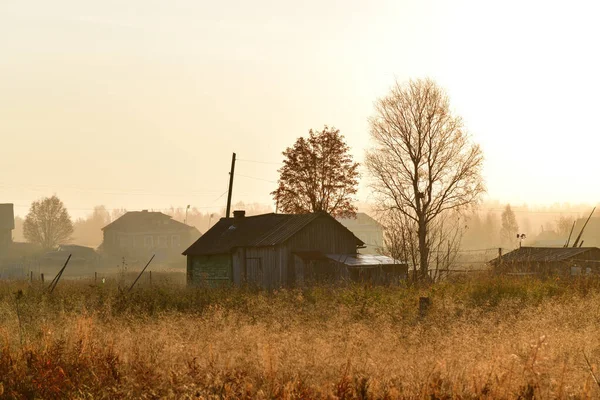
(230, 186)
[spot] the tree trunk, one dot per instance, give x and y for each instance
(423, 250)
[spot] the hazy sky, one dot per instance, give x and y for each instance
(140, 103)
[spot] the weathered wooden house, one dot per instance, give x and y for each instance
(274, 250)
(545, 261)
(138, 234)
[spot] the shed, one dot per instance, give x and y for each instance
(271, 250)
(372, 267)
(549, 261)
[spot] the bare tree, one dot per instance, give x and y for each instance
(48, 223)
(423, 163)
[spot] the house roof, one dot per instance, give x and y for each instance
(361, 219)
(542, 254)
(364, 260)
(146, 221)
(255, 231)
(7, 217)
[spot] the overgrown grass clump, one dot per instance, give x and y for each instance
(484, 337)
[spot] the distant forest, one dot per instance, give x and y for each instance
(482, 228)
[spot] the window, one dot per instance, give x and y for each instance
(123, 241)
(162, 241)
(148, 241)
(175, 241)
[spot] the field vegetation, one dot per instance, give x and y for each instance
(483, 337)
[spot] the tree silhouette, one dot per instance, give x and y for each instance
(510, 228)
(47, 223)
(318, 174)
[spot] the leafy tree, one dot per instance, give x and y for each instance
(423, 163)
(47, 223)
(318, 174)
(510, 228)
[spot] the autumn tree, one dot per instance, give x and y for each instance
(318, 174)
(47, 223)
(510, 228)
(423, 164)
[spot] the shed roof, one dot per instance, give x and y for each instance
(255, 231)
(146, 221)
(364, 260)
(542, 254)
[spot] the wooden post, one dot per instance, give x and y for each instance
(424, 303)
(42, 277)
(31, 276)
(95, 276)
(227, 212)
(150, 273)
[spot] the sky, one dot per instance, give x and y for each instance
(140, 104)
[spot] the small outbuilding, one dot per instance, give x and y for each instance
(549, 261)
(274, 250)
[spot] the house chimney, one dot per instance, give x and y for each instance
(239, 215)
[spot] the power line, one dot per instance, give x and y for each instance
(143, 192)
(260, 162)
(258, 179)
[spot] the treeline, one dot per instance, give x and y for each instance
(496, 225)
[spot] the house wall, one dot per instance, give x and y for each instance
(587, 261)
(5, 238)
(166, 245)
(276, 266)
(211, 270)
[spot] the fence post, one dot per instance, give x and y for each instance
(424, 303)
(30, 276)
(150, 273)
(42, 277)
(95, 276)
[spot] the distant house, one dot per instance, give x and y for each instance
(139, 234)
(7, 224)
(549, 261)
(366, 229)
(274, 250)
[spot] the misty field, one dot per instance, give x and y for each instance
(482, 338)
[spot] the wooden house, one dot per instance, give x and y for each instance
(545, 261)
(138, 234)
(274, 250)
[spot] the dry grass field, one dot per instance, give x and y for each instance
(483, 338)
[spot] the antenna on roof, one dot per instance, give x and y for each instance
(570, 233)
(584, 225)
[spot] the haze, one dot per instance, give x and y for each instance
(140, 104)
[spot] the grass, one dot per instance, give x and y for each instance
(482, 338)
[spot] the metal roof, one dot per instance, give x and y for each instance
(255, 231)
(542, 254)
(364, 260)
